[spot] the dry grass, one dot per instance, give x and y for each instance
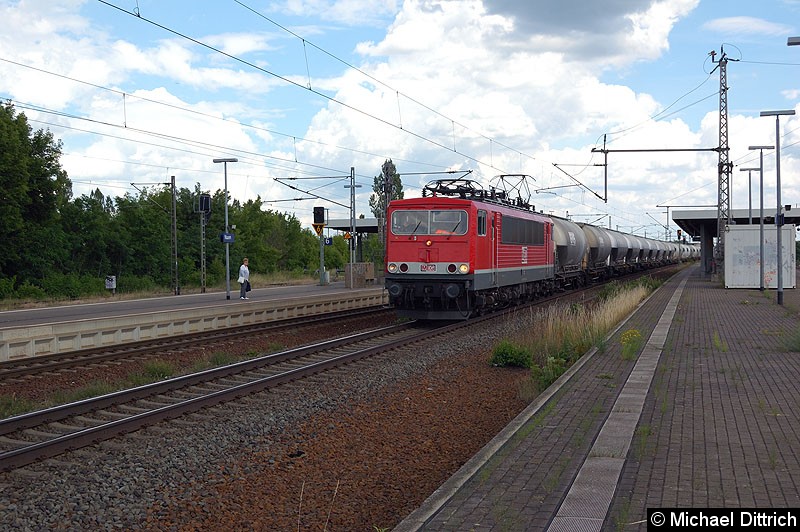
(567, 331)
(558, 336)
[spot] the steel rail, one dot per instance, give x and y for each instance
(30, 452)
(84, 357)
(60, 443)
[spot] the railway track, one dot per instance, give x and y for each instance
(32, 437)
(46, 433)
(27, 367)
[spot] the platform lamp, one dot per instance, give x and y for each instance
(761, 209)
(227, 243)
(749, 193)
(779, 214)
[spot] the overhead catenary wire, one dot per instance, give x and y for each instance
(138, 14)
(211, 116)
(296, 84)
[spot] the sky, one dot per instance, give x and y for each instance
(303, 91)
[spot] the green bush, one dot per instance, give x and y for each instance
(133, 283)
(29, 291)
(572, 349)
(507, 354)
(69, 286)
(547, 374)
(7, 287)
(60, 286)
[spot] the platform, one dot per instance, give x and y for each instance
(708, 415)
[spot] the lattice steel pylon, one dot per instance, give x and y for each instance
(724, 166)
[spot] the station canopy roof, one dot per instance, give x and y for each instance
(692, 221)
(363, 225)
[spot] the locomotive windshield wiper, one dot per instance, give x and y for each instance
(453, 230)
(417, 227)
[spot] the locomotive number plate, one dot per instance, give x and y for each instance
(427, 267)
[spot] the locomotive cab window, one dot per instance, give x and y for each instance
(410, 222)
(448, 222)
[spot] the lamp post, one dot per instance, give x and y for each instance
(227, 243)
(749, 193)
(352, 186)
(761, 208)
(778, 218)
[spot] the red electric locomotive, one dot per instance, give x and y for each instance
(460, 250)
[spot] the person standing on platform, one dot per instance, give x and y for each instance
(244, 279)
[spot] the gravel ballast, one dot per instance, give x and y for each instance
(354, 449)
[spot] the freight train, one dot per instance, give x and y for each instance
(461, 250)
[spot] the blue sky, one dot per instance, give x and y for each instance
(310, 88)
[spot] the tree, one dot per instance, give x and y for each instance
(145, 232)
(385, 187)
(54, 246)
(92, 236)
(33, 190)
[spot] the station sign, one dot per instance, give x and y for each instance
(226, 238)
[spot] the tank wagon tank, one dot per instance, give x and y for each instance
(599, 242)
(571, 248)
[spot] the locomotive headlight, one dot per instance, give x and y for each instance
(463, 268)
(392, 268)
(428, 243)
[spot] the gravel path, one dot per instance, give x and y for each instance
(358, 449)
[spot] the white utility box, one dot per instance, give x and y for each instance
(743, 256)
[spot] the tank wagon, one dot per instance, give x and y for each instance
(460, 250)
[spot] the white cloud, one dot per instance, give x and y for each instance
(614, 32)
(534, 92)
(791, 94)
(493, 85)
(746, 26)
(351, 12)
(239, 44)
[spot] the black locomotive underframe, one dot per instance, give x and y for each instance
(427, 298)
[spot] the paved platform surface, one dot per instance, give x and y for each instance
(708, 415)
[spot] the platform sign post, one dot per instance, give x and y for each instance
(227, 239)
(111, 283)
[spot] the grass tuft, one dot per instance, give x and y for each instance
(11, 405)
(792, 342)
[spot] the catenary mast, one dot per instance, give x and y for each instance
(724, 166)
